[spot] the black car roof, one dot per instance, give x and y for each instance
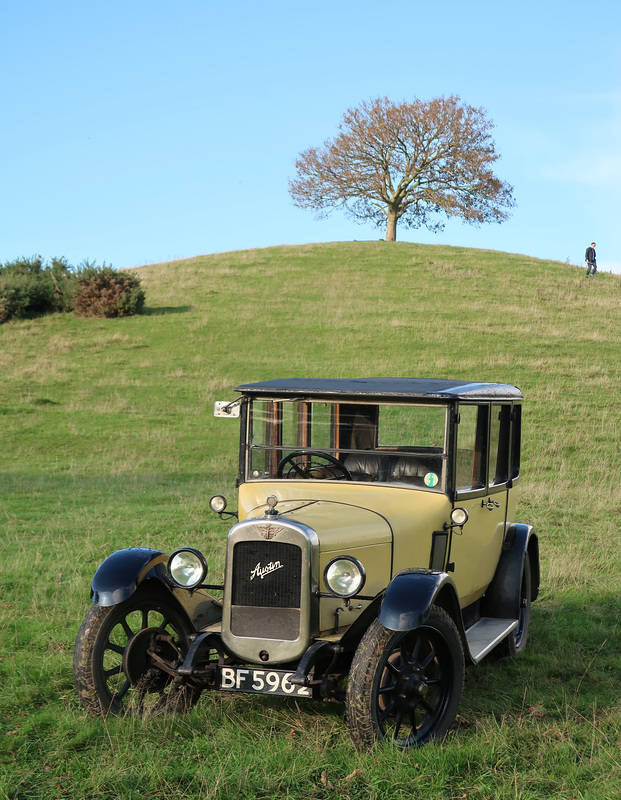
(382, 389)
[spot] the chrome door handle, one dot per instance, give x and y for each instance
(490, 504)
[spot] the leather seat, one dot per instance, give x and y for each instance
(408, 470)
(366, 466)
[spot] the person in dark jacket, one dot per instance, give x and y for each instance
(591, 260)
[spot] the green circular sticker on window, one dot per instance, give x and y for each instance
(431, 479)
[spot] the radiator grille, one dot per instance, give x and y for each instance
(266, 574)
(265, 623)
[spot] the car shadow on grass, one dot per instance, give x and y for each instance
(568, 675)
(569, 667)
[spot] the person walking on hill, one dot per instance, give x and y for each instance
(590, 258)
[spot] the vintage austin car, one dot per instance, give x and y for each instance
(376, 552)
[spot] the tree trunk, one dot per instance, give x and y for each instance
(391, 226)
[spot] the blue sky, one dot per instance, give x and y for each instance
(138, 132)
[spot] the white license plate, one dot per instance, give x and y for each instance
(261, 681)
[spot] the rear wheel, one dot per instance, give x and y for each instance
(405, 686)
(125, 657)
(516, 641)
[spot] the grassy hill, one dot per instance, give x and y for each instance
(108, 441)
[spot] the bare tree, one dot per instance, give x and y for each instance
(407, 163)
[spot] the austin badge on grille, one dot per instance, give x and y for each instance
(269, 531)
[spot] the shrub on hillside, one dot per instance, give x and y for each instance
(29, 288)
(105, 292)
(63, 278)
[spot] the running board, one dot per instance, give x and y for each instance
(485, 634)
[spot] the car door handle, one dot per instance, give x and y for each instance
(490, 504)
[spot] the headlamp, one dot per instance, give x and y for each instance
(187, 568)
(344, 576)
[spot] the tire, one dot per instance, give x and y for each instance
(516, 641)
(112, 668)
(405, 686)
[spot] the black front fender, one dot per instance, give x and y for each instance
(410, 595)
(121, 573)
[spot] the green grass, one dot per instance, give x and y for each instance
(108, 441)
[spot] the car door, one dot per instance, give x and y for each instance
(481, 476)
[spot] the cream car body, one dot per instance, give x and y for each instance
(375, 552)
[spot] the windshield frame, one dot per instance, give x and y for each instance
(405, 464)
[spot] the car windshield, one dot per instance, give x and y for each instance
(397, 444)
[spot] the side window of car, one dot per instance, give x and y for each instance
(515, 445)
(471, 448)
(499, 440)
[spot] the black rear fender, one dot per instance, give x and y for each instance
(503, 594)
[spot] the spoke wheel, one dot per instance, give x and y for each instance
(404, 687)
(125, 657)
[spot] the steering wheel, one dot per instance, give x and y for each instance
(317, 462)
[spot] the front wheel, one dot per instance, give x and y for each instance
(125, 656)
(405, 686)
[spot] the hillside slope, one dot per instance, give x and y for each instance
(141, 389)
(109, 441)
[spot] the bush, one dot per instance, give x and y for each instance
(104, 292)
(28, 288)
(63, 279)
